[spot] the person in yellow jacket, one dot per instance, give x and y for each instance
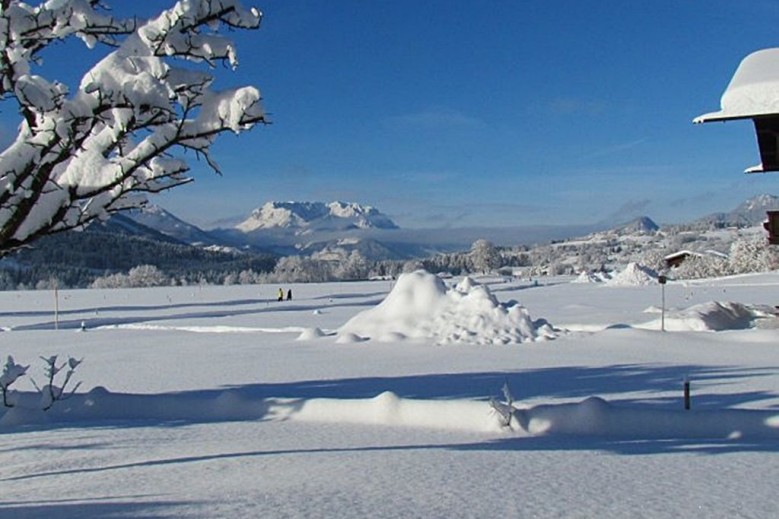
(281, 295)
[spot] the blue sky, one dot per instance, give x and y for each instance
(499, 113)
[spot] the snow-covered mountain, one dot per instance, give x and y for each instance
(307, 217)
(749, 213)
(157, 218)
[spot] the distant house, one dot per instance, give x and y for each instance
(677, 258)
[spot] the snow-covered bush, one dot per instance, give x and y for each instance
(300, 269)
(355, 266)
(484, 256)
(147, 276)
(653, 259)
(751, 255)
(702, 266)
(110, 281)
(11, 373)
(89, 149)
(48, 284)
(50, 392)
(137, 277)
(505, 410)
(248, 277)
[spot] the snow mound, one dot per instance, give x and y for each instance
(421, 307)
(711, 316)
(311, 333)
(634, 275)
(595, 416)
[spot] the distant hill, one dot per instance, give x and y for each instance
(156, 218)
(643, 224)
(77, 258)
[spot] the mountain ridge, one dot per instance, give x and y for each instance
(306, 217)
(306, 228)
(122, 242)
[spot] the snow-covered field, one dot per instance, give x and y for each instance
(222, 402)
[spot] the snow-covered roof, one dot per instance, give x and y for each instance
(681, 254)
(685, 253)
(753, 91)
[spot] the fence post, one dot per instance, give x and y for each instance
(687, 394)
(56, 307)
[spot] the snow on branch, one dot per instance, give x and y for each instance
(50, 392)
(85, 153)
(504, 410)
(11, 373)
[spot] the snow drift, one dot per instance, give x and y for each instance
(592, 416)
(421, 307)
(711, 316)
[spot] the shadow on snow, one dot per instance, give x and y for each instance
(95, 320)
(99, 407)
(120, 506)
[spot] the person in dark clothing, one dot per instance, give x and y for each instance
(289, 295)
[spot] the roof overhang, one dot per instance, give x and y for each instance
(753, 93)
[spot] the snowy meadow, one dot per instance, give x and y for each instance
(420, 397)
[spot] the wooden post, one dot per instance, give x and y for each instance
(687, 394)
(56, 307)
(662, 280)
(662, 311)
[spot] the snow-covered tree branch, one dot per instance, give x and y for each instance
(83, 154)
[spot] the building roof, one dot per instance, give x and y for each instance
(753, 93)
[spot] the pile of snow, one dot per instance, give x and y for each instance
(311, 333)
(421, 307)
(634, 275)
(711, 316)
